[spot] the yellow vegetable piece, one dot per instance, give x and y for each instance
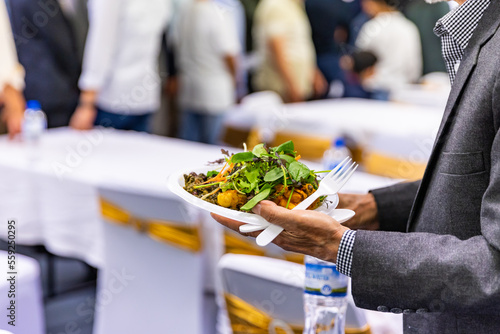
(231, 199)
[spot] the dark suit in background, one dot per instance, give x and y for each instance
(329, 18)
(50, 50)
(441, 264)
(425, 16)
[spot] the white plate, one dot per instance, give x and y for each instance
(340, 215)
(176, 185)
(343, 215)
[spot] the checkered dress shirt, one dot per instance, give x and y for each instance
(455, 30)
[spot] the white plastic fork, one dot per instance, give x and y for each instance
(253, 227)
(330, 185)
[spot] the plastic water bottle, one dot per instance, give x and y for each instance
(325, 298)
(335, 154)
(35, 122)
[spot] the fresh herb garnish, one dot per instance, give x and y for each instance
(249, 177)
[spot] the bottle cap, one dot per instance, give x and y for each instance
(339, 142)
(33, 104)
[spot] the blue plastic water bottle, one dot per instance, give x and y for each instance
(335, 154)
(35, 122)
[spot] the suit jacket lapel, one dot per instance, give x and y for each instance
(486, 28)
(484, 31)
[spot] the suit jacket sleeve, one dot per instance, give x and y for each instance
(394, 205)
(430, 271)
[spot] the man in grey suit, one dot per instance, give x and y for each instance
(429, 249)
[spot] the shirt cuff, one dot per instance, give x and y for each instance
(344, 256)
(14, 79)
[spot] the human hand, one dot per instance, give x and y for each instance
(293, 94)
(83, 118)
(172, 87)
(13, 114)
(86, 113)
(366, 217)
(14, 123)
(305, 231)
(319, 84)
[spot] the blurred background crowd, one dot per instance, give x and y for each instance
(175, 67)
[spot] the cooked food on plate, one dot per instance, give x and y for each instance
(246, 178)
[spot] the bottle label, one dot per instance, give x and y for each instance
(325, 280)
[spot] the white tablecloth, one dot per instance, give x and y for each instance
(398, 129)
(54, 198)
(431, 95)
(52, 190)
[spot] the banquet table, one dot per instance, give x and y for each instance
(399, 131)
(48, 186)
(360, 118)
(52, 189)
(432, 95)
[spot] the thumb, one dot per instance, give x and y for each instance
(275, 214)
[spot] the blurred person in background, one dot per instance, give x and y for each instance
(330, 21)
(355, 26)
(424, 15)
(49, 40)
(395, 41)
(236, 14)
(359, 67)
(287, 57)
(12, 103)
(249, 8)
(206, 51)
(120, 82)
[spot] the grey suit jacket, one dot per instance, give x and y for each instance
(440, 262)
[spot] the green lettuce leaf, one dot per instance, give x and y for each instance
(299, 171)
(273, 175)
(256, 199)
(242, 157)
(259, 150)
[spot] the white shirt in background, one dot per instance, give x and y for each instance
(396, 42)
(203, 36)
(288, 20)
(237, 14)
(11, 72)
(121, 55)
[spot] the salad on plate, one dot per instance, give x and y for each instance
(246, 178)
